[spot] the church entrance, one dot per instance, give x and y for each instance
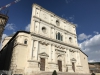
(60, 65)
(42, 64)
(73, 66)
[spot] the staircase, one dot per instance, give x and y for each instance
(60, 73)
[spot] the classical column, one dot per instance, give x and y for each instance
(68, 57)
(53, 53)
(69, 63)
(53, 33)
(31, 50)
(36, 26)
(77, 57)
(49, 52)
(35, 50)
(32, 25)
(79, 66)
(79, 62)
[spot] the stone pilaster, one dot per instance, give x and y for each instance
(53, 52)
(78, 55)
(31, 50)
(36, 27)
(68, 57)
(53, 33)
(50, 51)
(69, 63)
(35, 54)
(32, 26)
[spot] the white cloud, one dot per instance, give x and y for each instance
(10, 26)
(96, 32)
(3, 36)
(92, 47)
(83, 36)
(27, 28)
(14, 32)
(91, 61)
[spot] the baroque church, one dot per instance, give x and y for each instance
(51, 44)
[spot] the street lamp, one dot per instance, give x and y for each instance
(3, 21)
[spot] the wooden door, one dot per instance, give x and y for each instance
(42, 64)
(60, 65)
(73, 66)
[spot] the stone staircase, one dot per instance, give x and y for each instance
(60, 73)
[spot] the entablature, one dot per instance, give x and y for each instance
(54, 42)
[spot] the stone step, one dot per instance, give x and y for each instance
(61, 73)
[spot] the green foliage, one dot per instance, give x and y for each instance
(54, 72)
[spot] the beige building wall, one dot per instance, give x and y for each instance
(44, 18)
(84, 62)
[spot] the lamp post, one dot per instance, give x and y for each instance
(3, 21)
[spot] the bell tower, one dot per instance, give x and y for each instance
(3, 21)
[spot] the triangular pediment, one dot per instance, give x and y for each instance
(44, 54)
(73, 60)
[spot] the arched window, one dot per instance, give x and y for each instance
(25, 41)
(59, 36)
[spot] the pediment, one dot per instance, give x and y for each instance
(44, 54)
(73, 60)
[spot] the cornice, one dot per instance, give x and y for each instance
(52, 40)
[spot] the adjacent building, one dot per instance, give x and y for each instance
(94, 67)
(50, 45)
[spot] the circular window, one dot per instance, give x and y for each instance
(57, 22)
(44, 29)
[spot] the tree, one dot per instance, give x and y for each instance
(54, 72)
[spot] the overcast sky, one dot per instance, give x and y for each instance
(84, 13)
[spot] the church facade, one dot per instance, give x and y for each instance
(50, 45)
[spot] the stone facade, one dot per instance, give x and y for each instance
(50, 45)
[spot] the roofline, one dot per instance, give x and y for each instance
(14, 37)
(65, 20)
(83, 52)
(27, 33)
